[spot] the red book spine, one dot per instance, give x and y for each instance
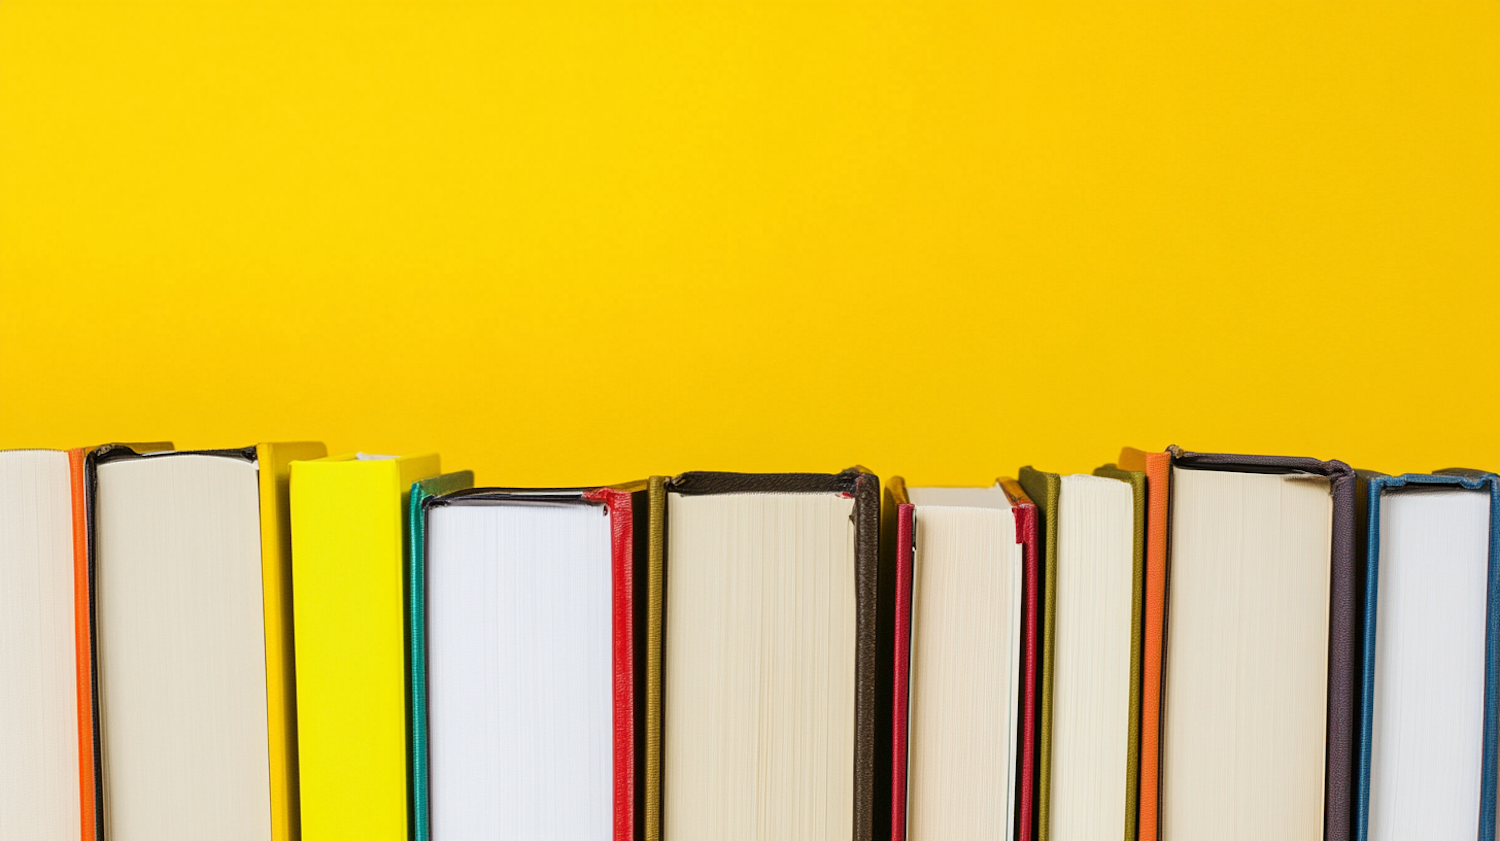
(904, 516)
(622, 552)
(1026, 535)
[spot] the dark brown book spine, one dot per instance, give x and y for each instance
(864, 488)
(1342, 640)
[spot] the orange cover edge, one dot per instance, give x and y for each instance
(81, 634)
(1157, 467)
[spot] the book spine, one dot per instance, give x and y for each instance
(622, 565)
(351, 683)
(1158, 472)
(655, 612)
(900, 702)
(1027, 535)
(416, 611)
(82, 639)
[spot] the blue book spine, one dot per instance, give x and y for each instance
(1490, 764)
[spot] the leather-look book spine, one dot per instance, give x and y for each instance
(1339, 784)
(864, 488)
(1373, 487)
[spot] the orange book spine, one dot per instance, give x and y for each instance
(82, 638)
(1157, 467)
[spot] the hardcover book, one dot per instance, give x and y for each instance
(768, 650)
(1088, 751)
(1258, 701)
(1427, 746)
(188, 571)
(90, 780)
(965, 657)
(536, 740)
(45, 725)
(349, 536)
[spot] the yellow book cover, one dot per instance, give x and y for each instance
(275, 462)
(349, 523)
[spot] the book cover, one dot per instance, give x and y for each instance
(627, 558)
(1373, 489)
(863, 489)
(656, 500)
(897, 516)
(1026, 533)
(1342, 640)
(275, 461)
(139, 495)
(416, 639)
(1158, 470)
(349, 521)
(45, 741)
(91, 782)
(1044, 489)
(897, 523)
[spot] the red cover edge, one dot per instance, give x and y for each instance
(622, 554)
(904, 516)
(1025, 513)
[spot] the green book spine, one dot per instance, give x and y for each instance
(416, 644)
(655, 593)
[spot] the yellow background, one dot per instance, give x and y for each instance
(571, 244)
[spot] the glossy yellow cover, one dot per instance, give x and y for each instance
(275, 462)
(348, 536)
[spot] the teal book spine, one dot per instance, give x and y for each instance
(416, 643)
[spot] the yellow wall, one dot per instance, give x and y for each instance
(567, 243)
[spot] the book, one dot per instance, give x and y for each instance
(965, 650)
(768, 656)
(1158, 470)
(187, 571)
(1088, 750)
(416, 641)
(533, 740)
(349, 538)
(90, 778)
(43, 749)
(1427, 752)
(1257, 707)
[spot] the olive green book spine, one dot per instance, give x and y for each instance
(656, 496)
